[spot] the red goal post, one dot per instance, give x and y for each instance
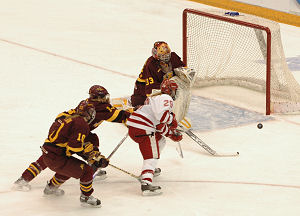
(242, 50)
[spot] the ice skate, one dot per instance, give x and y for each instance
(150, 190)
(89, 201)
(101, 175)
(21, 185)
(157, 172)
(52, 190)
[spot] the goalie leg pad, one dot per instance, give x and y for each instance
(183, 98)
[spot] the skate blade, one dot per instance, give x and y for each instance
(86, 205)
(20, 188)
(151, 193)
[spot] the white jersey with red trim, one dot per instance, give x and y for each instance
(156, 111)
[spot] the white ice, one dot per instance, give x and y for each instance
(51, 52)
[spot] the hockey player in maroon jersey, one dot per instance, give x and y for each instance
(148, 125)
(66, 137)
(158, 67)
(161, 65)
(99, 97)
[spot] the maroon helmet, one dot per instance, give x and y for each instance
(169, 87)
(86, 110)
(99, 93)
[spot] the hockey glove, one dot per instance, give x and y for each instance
(102, 162)
(92, 156)
(175, 135)
(87, 147)
(89, 152)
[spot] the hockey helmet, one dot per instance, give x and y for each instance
(99, 93)
(169, 87)
(86, 110)
(161, 51)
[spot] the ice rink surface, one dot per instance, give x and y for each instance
(51, 52)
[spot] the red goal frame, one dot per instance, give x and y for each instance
(238, 22)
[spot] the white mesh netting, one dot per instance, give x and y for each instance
(225, 53)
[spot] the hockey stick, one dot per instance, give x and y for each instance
(119, 144)
(126, 172)
(111, 154)
(179, 149)
(204, 145)
(186, 122)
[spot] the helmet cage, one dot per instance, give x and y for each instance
(104, 99)
(164, 57)
(174, 94)
(87, 111)
(91, 114)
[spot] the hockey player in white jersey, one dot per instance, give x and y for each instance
(149, 125)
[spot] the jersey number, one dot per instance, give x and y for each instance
(110, 109)
(81, 137)
(149, 81)
(168, 103)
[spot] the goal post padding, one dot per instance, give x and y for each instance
(243, 50)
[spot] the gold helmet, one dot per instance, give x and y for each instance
(161, 51)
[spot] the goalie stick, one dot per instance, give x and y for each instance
(186, 128)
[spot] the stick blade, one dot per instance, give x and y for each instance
(225, 154)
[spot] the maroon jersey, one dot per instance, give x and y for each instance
(139, 88)
(106, 112)
(67, 132)
(154, 71)
(139, 95)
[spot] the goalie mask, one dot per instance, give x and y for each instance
(161, 51)
(169, 87)
(87, 111)
(99, 93)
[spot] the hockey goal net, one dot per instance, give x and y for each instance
(242, 50)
